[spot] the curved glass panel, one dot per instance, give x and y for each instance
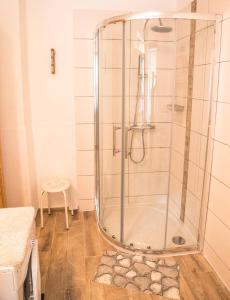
(110, 127)
(151, 76)
(153, 119)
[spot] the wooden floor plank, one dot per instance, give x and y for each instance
(133, 295)
(92, 240)
(75, 259)
(91, 263)
(76, 219)
(44, 267)
(105, 245)
(185, 291)
(69, 260)
(190, 273)
(194, 263)
(46, 234)
(77, 293)
(56, 273)
(60, 224)
(55, 295)
(114, 293)
(94, 291)
(210, 288)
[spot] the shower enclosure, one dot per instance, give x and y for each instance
(152, 115)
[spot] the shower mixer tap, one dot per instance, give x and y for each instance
(134, 127)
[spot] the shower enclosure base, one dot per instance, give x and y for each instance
(145, 229)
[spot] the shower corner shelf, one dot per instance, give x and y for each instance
(175, 107)
(142, 127)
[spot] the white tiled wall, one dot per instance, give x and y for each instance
(148, 180)
(85, 22)
(84, 103)
(217, 238)
(154, 172)
(199, 121)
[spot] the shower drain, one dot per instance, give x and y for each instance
(178, 240)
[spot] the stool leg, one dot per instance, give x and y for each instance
(48, 202)
(71, 203)
(66, 211)
(41, 209)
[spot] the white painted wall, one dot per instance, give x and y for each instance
(49, 25)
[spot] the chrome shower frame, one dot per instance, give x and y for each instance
(120, 244)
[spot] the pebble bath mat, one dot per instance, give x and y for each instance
(143, 274)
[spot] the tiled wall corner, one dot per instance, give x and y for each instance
(217, 236)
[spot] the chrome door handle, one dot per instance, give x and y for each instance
(115, 150)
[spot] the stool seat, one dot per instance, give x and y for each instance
(56, 185)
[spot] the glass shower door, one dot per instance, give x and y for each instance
(150, 59)
(110, 127)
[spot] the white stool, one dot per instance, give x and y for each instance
(55, 186)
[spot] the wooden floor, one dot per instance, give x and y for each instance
(69, 259)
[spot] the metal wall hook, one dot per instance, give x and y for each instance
(53, 62)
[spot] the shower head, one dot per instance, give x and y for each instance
(161, 28)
